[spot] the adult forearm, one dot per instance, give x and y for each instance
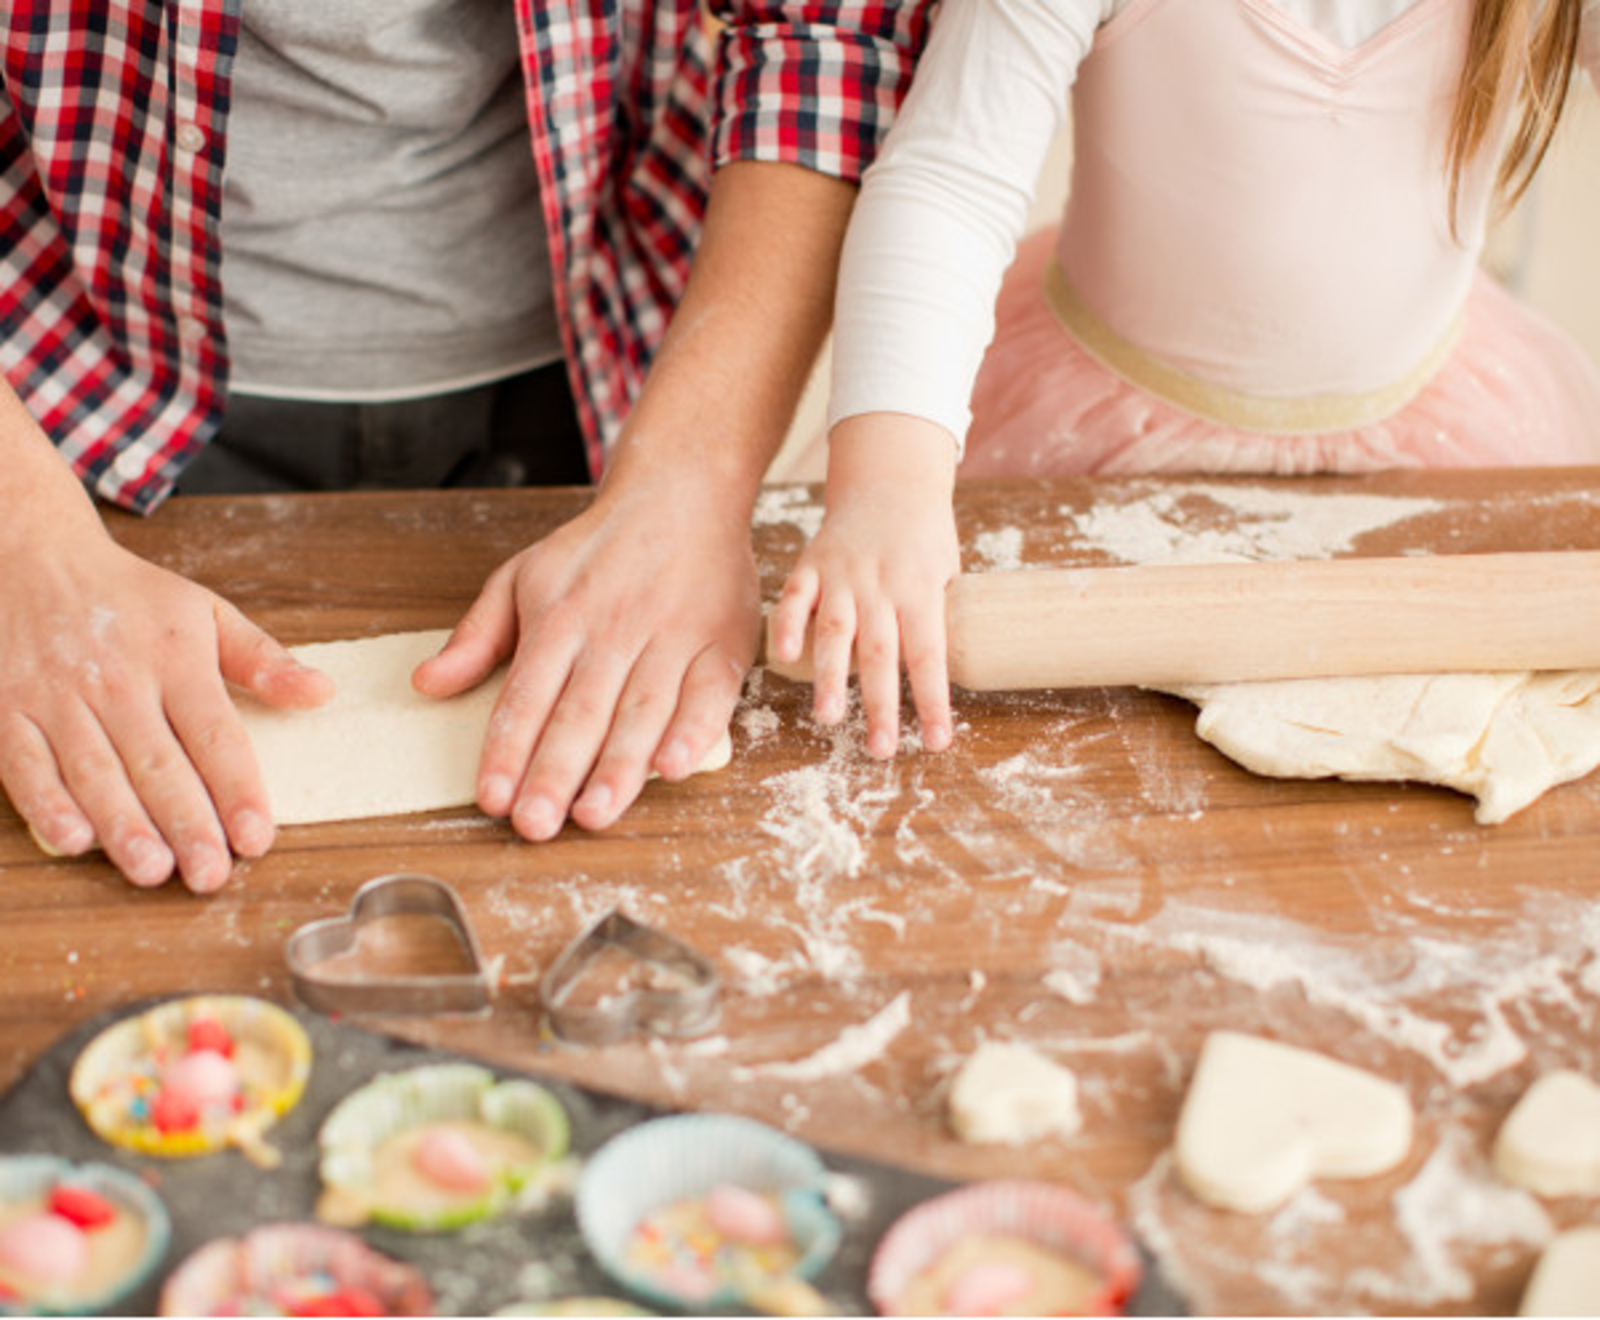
(746, 334)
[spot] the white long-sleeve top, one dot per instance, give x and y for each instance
(941, 211)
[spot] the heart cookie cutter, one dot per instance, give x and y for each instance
(678, 996)
(405, 894)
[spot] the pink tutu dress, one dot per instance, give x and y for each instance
(1257, 269)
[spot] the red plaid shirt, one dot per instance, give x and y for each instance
(113, 119)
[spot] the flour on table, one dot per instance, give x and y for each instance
(1503, 738)
(1262, 1119)
(378, 748)
(1009, 1092)
(1550, 1143)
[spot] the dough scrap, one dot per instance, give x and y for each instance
(1550, 1142)
(1262, 1119)
(1012, 1093)
(378, 748)
(1503, 738)
(1566, 1281)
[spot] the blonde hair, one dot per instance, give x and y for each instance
(1520, 53)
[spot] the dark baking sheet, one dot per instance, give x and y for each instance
(472, 1272)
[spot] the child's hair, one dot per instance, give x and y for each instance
(1519, 52)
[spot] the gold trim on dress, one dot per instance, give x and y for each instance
(1296, 415)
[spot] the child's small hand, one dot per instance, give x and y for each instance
(874, 578)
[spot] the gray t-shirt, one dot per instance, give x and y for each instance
(381, 226)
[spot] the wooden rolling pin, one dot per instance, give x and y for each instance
(1160, 625)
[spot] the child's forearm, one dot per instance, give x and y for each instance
(893, 453)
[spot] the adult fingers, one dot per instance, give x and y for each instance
(644, 709)
(705, 706)
(485, 636)
(32, 781)
(252, 659)
(569, 743)
(208, 726)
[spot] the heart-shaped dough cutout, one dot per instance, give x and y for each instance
(1566, 1281)
(1262, 1119)
(1550, 1143)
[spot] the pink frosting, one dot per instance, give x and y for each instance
(45, 1247)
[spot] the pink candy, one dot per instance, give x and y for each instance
(987, 1289)
(445, 1156)
(741, 1215)
(204, 1078)
(45, 1247)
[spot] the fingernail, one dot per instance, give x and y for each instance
(674, 758)
(537, 819)
(76, 835)
(252, 833)
(936, 737)
(882, 745)
(208, 870)
(830, 710)
(149, 862)
(495, 795)
(597, 802)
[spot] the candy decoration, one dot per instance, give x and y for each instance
(203, 1078)
(446, 1155)
(78, 1205)
(745, 1216)
(987, 1289)
(173, 1111)
(45, 1247)
(207, 1033)
(346, 1301)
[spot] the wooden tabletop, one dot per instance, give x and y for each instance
(1080, 873)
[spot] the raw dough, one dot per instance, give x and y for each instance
(378, 748)
(1503, 738)
(1566, 1281)
(1262, 1119)
(1009, 1092)
(1550, 1143)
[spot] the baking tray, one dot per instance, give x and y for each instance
(473, 1271)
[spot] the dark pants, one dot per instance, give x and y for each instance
(521, 431)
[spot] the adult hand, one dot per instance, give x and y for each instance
(116, 725)
(629, 632)
(874, 578)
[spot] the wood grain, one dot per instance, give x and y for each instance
(1079, 872)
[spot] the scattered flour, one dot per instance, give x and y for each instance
(998, 551)
(1161, 526)
(855, 1048)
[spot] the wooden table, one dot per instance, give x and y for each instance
(1080, 873)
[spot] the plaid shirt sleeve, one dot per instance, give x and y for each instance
(816, 84)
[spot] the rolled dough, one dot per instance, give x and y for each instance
(1502, 738)
(1262, 1119)
(378, 748)
(1550, 1142)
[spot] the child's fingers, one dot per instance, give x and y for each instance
(922, 636)
(792, 613)
(878, 665)
(832, 644)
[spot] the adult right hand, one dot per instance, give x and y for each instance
(116, 725)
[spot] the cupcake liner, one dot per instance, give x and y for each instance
(283, 1269)
(686, 1156)
(24, 1178)
(114, 1080)
(573, 1306)
(398, 1102)
(1048, 1216)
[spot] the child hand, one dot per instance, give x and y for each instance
(875, 575)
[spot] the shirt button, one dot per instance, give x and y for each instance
(191, 137)
(191, 330)
(129, 464)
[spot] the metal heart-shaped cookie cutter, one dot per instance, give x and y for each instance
(409, 995)
(678, 998)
